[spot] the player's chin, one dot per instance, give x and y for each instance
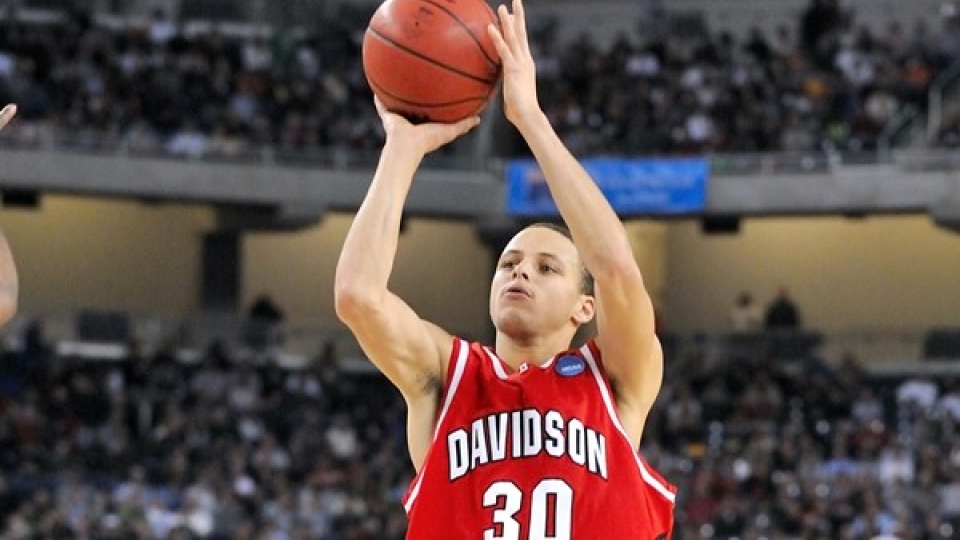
(512, 321)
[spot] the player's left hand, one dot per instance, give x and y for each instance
(7, 114)
(519, 71)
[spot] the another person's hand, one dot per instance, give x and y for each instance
(421, 138)
(7, 114)
(519, 71)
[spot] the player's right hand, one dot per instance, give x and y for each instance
(7, 114)
(421, 138)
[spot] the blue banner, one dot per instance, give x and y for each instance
(633, 186)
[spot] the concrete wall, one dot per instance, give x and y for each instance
(889, 272)
(107, 254)
(442, 271)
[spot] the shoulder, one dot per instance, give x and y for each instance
(461, 346)
(462, 353)
(590, 351)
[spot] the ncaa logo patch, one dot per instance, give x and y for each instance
(570, 366)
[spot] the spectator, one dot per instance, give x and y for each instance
(867, 409)
(684, 419)
(821, 20)
(918, 393)
(188, 142)
(782, 313)
(265, 309)
(262, 328)
(895, 464)
(746, 315)
(948, 405)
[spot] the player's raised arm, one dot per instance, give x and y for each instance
(408, 350)
(9, 282)
(7, 114)
(625, 318)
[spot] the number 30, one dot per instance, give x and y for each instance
(504, 514)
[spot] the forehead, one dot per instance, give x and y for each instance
(535, 240)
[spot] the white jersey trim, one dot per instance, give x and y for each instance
(650, 479)
(497, 364)
(459, 366)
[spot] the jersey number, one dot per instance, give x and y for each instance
(551, 510)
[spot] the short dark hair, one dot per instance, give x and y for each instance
(586, 278)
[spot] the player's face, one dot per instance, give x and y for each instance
(536, 286)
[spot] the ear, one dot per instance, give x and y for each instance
(586, 309)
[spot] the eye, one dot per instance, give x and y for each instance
(508, 264)
(546, 268)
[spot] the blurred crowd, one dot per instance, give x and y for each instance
(766, 447)
(761, 446)
(149, 447)
(823, 82)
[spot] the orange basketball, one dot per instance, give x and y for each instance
(432, 60)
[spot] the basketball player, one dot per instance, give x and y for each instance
(528, 439)
(8, 270)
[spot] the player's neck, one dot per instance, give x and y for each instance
(516, 352)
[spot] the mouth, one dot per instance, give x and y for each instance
(516, 291)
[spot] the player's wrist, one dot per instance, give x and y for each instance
(530, 119)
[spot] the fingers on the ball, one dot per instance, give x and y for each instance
(379, 105)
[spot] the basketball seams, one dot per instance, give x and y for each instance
(492, 61)
(387, 93)
(417, 59)
(394, 43)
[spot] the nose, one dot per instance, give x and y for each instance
(520, 271)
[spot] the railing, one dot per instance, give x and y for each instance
(942, 88)
(468, 155)
(300, 343)
(48, 12)
(897, 131)
(926, 160)
(769, 163)
(24, 135)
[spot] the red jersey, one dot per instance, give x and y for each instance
(535, 454)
